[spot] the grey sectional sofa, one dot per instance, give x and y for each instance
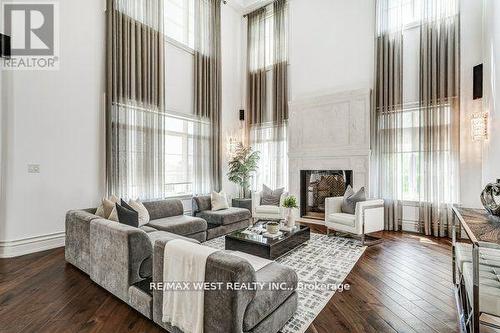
(125, 260)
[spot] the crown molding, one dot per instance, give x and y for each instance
(237, 5)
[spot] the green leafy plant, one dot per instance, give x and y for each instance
(290, 202)
(242, 164)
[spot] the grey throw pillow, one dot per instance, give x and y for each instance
(351, 198)
(271, 197)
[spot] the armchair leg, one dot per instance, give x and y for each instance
(370, 240)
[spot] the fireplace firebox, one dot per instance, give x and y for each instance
(316, 186)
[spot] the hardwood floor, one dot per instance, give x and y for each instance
(401, 285)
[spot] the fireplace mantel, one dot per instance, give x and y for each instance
(330, 132)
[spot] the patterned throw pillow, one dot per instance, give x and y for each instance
(351, 198)
(271, 197)
(106, 207)
(143, 212)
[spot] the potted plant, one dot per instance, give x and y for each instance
(290, 203)
(242, 164)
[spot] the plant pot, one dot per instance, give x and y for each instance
(290, 218)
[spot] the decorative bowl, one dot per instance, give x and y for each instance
(273, 227)
(489, 198)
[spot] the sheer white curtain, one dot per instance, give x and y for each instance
(417, 110)
(271, 141)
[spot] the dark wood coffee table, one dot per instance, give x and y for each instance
(265, 247)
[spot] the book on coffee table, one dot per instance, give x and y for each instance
(272, 236)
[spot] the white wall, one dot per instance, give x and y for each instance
(331, 46)
(232, 80)
(55, 119)
(471, 15)
(491, 49)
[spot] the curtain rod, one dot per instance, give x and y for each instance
(266, 3)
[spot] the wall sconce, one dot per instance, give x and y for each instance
(479, 126)
(232, 144)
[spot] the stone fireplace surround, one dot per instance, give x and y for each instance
(330, 132)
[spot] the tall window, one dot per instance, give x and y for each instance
(179, 21)
(153, 134)
(268, 91)
(181, 135)
(184, 130)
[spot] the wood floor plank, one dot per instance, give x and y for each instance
(401, 285)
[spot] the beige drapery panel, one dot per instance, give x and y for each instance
(135, 99)
(280, 66)
(420, 135)
(261, 107)
(207, 89)
(257, 73)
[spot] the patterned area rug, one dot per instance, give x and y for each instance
(323, 260)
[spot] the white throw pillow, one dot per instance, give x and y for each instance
(106, 207)
(100, 211)
(108, 204)
(143, 212)
(219, 200)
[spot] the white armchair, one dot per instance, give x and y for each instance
(368, 217)
(265, 212)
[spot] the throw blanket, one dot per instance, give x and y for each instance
(185, 262)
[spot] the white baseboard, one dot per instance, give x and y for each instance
(410, 226)
(19, 247)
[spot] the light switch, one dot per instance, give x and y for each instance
(33, 168)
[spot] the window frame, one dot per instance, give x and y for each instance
(188, 15)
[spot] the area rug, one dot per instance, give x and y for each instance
(322, 261)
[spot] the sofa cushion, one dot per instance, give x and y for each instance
(180, 225)
(265, 209)
(225, 216)
(202, 203)
(147, 229)
(487, 256)
(266, 301)
(164, 208)
(342, 218)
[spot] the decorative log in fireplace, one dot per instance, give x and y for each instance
(316, 186)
